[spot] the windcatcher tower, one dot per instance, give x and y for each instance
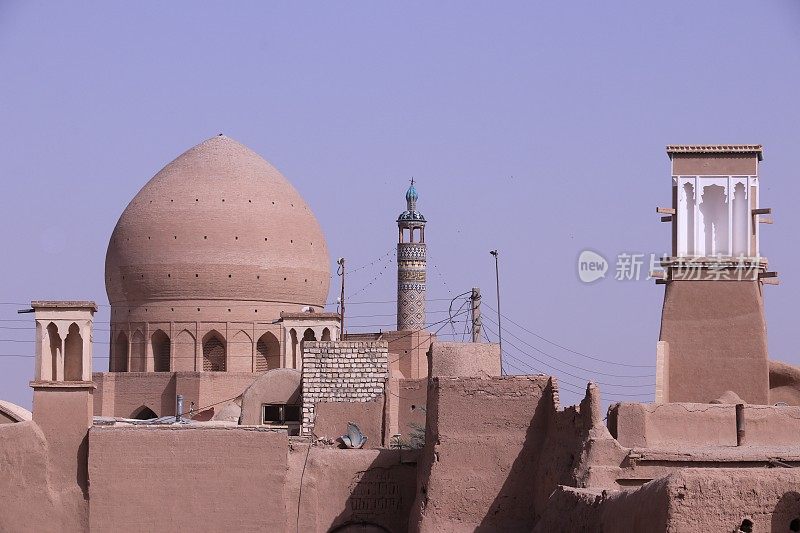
(713, 332)
(63, 397)
(411, 269)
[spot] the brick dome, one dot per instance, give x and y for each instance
(217, 223)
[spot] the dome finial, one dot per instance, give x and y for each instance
(411, 196)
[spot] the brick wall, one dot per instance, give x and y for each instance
(342, 371)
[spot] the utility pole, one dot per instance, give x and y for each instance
(340, 272)
(476, 314)
(499, 329)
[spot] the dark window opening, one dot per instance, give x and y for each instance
(279, 414)
(144, 413)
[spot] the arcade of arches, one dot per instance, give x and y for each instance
(131, 352)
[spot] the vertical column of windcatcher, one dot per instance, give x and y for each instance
(411, 266)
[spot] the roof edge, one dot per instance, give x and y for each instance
(756, 149)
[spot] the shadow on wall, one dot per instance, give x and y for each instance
(514, 507)
(381, 495)
(82, 475)
(786, 516)
(168, 397)
(360, 527)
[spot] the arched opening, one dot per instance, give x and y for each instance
(714, 222)
(268, 353)
(161, 351)
(55, 349)
(119, 363)
(213, 352)
(73, 354)
(739, 218)
(137, 352)
(144, 413)
(326, 334)
(308, 335)
(293, 339)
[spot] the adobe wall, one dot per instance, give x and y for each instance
(496, 449)
(464, 359)
(643, 510)
(715, 500)
(121, 394)
(349, 486)
(31, 500)
(784, 383)
(407, 401)
(686, 425)
(718, 500)
(11, 413)
(186, 478)
(717, 338)
(332, 419)
(63, 412)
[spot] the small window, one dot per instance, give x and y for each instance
(279, 414)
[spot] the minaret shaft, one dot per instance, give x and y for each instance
(411, 266)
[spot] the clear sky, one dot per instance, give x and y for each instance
(537, 128)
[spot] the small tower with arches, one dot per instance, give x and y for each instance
(63, 340)
(411, 265)
(63, 391)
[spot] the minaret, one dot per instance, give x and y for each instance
(411, 265)
(713, 331)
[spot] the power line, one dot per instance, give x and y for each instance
(555, 368)
(546, 354)
(564, 384)
(569, 349)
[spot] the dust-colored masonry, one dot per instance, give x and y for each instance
(232, 397)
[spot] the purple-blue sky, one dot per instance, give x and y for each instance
(535, 128)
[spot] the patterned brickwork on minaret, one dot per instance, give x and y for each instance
(411, 266)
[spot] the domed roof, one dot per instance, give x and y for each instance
(218, 223)
(411, 215)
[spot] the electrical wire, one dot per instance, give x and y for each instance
(568, 349)
(546, 354)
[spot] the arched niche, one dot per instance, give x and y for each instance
(73, 354)
(268, 353)
(119, 362)
(138, 350)
(184, 351)
(214, 352)
(293, 341)
(240, 352)
(56, 346)
(161, 351)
